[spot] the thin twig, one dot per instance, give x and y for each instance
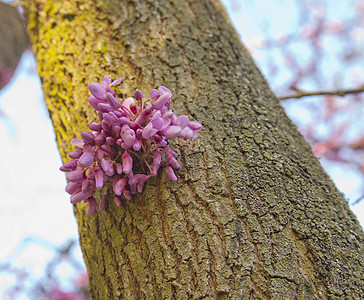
(341, 93)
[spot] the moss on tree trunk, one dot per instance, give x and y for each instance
(253, 215)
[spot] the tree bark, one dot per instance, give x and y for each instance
(252, 215)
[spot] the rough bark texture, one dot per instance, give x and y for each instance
(253, 215)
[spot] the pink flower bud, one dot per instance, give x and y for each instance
(108, 119)
(106, 148)
(75, 154)
(115, 82)
(88, 137)
(100, 154)
(127, 193)
(171, 152)
(77, 142)
(137, 144)
(113, 102)
(161, 101)
(118, 185)
(140, 181)
(69, 166)
(168, 114)
(104, 107)
(119, 168)
(187, 133)
(99, 178)
(171, 131)
(106, 126)
(88, 148)
(119, 113)
(143, 116)
(104, 133)
(85, 160)
(102, 204)
(149, 131)
(91, 205)
(170, 173)
(157, 123)
(97, 90)
(74, 176)
(107, 166)
(116, 130)
(182, 121)
(100, 140)
(163, 143)
(75, 198)
(94, 126)
(117, 201)
(156, 163)
(138, 95)
(110, 140)
(157, 157)
(132, 182)
(94, 102)
(129, 138)
(166, 122)
(85, 185)
(194, 125)
(127, 162)
(123, 121)
(172, 161)
(73, 187)
(134, 126)
(154, 93)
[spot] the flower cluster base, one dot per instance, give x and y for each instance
(126, 147)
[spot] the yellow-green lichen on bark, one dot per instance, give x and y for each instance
(252, 214)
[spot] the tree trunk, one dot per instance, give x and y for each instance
(252, 215)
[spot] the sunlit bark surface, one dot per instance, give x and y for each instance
(253, 215)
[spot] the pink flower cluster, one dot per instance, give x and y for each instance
(126, 147)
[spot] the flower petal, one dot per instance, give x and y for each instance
(85, 160)
(74, 176)
(99, 178)
(113, 102)
(187, 133)
(138, 95)
(119, 185)
(149, 131)
(117, 201)
(102, 204)
(161, 101)
(127, 193)
(77, 142)
(69, 166)
(129, 138)
(91, 205)
(73, 187)
(171, 131)
(170, 173)
(75, 198)
(182, 121)
(95, 102)
(127, 162)
(97, 90)
(194, 125)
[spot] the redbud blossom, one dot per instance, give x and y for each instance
(124, 149)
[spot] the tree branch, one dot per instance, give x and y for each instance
(341, 93)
